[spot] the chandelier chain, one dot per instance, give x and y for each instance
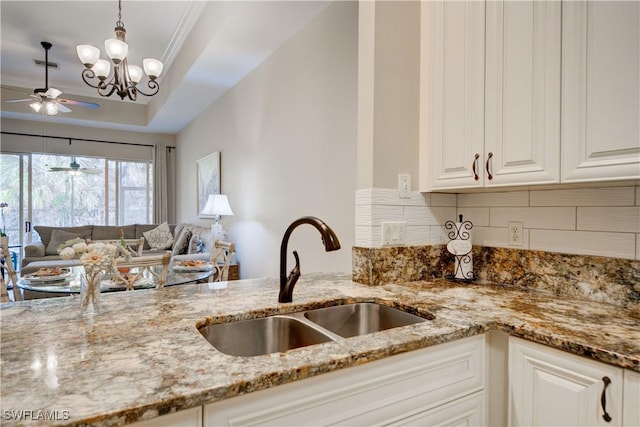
(119, 23)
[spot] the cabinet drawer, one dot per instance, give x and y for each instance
(468, 411)
(383, 391)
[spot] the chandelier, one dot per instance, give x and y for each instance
(124, 78)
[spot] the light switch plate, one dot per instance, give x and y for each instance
(404, 186)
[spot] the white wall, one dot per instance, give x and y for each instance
(287, 137)
(388, 95)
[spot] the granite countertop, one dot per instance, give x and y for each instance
(143, 356)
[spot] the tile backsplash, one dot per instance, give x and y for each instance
(579, 242)
(599, 221)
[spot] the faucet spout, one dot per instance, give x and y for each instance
(329, 239)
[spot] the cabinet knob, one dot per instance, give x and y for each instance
(489, 156)
(603, 399)
(473, 167)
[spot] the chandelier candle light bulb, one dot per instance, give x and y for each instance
(124, 78)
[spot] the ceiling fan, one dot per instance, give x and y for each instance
(45, 100)
(74, 168)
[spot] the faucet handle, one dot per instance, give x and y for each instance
(296, 269)
(286, 289)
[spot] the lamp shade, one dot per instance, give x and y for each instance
(135, 73)
(36, 106)
(217, 204)
(88, 54)
(51, 108)
(152, 67)
(102, 68)
(116, 49)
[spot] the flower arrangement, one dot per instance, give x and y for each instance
(97, 259)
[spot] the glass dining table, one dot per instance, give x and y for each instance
(68, 283)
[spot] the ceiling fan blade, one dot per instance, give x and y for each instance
(90, 171)
(78, 103)
(59, 169)
(22, 92)
(63, 109)
(18, 100)
(52, 93)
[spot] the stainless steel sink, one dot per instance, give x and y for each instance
(262, 336)
(362, 318)
(281, 333)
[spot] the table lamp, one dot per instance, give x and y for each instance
(217, 205)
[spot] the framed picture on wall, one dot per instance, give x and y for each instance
(208, 180)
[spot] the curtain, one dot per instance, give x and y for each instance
(163, 178)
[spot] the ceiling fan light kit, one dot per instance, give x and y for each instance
(45, 100)
(125, 78)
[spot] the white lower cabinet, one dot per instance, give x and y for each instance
(552, 387)
(191, 417)
(443, 385)
(631, 402)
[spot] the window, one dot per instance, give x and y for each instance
(10, 193)
(110, 192)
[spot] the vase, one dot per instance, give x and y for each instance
(90, 293)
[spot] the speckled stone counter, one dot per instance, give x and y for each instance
(143, 355)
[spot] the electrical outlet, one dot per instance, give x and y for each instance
(404, 186)
(394, 233)
(515, 234)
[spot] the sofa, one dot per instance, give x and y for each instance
(187, 240)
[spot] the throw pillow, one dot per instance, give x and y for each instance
(160, 237)
(58, 237)
(195, 245)
(182, 243)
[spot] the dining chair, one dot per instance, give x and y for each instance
(142, 264)
(12, 276)
(220, 259)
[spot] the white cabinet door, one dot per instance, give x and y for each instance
(494, 129)
(631, 405)
(522, 93)
(381, 392)
(600, 90)
(552, 387)
(451, 95)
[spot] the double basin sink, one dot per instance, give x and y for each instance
(281, 333)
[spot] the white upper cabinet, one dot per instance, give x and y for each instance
(522, 93)
(502, 127)
(600, 91)
(451, 95)
(528, 92)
